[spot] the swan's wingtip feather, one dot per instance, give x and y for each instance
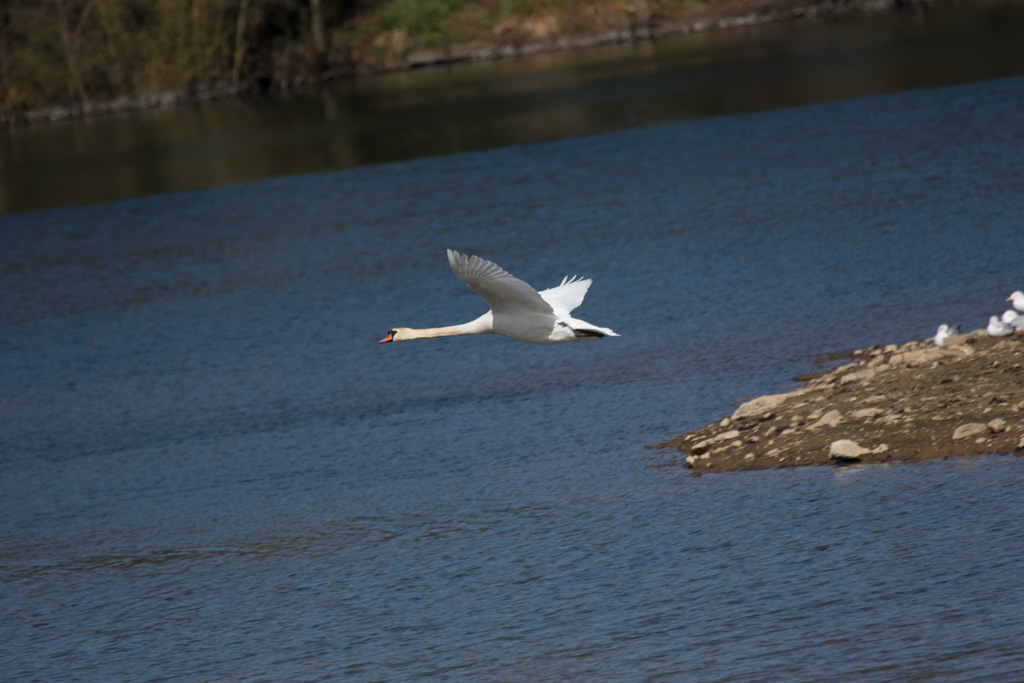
(457, 260)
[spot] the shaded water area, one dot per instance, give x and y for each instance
(467, 107)
(211, 470)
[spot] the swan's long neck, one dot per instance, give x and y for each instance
(481, 325)
(449, 331)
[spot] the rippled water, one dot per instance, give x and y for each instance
(210, 470)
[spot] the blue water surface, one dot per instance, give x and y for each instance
(210, 470)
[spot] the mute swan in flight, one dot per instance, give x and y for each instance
(517, 309)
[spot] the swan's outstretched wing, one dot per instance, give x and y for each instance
(567, 296)
(506, 295)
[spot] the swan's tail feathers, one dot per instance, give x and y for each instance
(592, 332)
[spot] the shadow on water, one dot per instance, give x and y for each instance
(465, 107)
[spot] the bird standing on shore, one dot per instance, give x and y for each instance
(1013, 318)
(945, 332)
(997, 328)
(517, 310)
(1018, 300)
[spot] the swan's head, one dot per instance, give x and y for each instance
(1016, 296)
(397, 334)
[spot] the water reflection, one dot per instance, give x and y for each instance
(476, 106)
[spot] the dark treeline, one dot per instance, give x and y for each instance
(71, 54)
(71, 51)
(64, 53)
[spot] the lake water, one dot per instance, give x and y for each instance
(211, 470)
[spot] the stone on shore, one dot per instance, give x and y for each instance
(846, 450)
(997, 425)
(759, 407)
(970, 429)
(829, 419)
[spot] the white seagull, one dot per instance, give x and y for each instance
(997, 328)
(1018, 300)
(517, 309)
(945, 332)
(1014, 319)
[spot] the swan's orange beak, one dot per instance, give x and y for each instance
(1009, 298)
(390, 337)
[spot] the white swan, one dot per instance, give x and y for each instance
(517, 309)
(1018, 300)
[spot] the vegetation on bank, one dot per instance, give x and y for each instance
(67, 53)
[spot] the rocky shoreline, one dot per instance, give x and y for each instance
(524, 36)
(906, 402)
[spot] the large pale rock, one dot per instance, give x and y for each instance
(970, 429)
(860, 376)
(997, 425)
(731, 434)
(918, 357)
(759, 407)
(846, 450)
(829, 419)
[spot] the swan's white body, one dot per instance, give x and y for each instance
(517, 309)
(1018, 300)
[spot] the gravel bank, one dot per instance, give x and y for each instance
(898, 402)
